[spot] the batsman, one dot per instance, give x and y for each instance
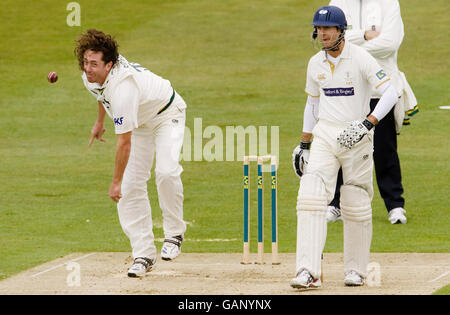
(337, 132)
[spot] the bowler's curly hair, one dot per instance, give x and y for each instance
(96, 40)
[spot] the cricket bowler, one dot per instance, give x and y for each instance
(149, 121)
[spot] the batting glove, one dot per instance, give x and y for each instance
(300, 158)
(354, 133)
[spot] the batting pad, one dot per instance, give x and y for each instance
(311, 224)
(355, 204)
(311, 195)
(357, 213)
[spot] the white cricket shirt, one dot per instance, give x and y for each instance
(131, 94)
(345, 88)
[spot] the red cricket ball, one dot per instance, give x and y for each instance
(52, 77)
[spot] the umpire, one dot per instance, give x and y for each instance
(377, 26)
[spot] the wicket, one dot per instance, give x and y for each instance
(260, 219)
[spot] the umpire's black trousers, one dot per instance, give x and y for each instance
(386, 161)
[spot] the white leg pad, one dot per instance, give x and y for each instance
(357, 214)
(311, 224)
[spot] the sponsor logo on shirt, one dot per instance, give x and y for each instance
(380, 74)
(339, 91)
(118, 121)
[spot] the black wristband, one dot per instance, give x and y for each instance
(305, 145)
(368, 124)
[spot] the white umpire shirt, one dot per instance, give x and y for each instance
(344, 89)
(131, 95)
(382, 16)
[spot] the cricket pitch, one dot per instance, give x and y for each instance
(223, 274)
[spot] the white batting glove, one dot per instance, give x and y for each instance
(300, 158)
(354, 133)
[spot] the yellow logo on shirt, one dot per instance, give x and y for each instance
(348, 78)
(321, 77)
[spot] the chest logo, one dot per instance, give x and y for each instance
(339, 91)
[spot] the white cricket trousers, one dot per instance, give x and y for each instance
(161, 138)
(317, 189)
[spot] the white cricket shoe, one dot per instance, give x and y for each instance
(397, 215)
(171, 247)
(141, 267)
(305, 280)
(353, 279)
(333, 214)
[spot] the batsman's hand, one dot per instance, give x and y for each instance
(300, 158)
(97, 132)
(354, 133)
(115, 191)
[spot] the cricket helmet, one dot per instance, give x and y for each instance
(330, 16)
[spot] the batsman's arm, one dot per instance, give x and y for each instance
(358, 129)
(310, 118)
(123, 149)
(306, 137)
(387, 101)
(310, 115)
(300, 155)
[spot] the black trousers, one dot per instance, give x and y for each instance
(386, 162)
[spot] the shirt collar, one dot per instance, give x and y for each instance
(345, 54)
(109, 76)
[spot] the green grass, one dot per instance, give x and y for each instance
(235, 63)
(443, 291)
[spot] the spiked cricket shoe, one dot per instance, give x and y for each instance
(171, 247)
(141, 267)
(353, 279)
(397, 216)
(305, 280)
(333, 214)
